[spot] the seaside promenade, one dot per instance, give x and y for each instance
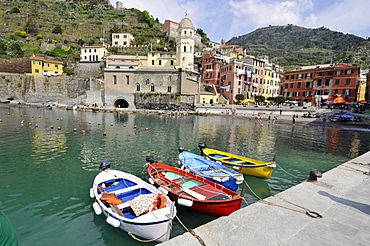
(341, 197)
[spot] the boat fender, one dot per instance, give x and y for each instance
(185, 202)
(150, 180)
(236, 168)
(163, 190)
(182, 167)
(113, 222)
(92, 193)
(225, 179)
(97, 208)
(217, 179)
(186, 170)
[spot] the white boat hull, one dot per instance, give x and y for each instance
(154, 225)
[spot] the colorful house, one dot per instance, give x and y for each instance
(42, 66)
(93, 53)
(321, 83)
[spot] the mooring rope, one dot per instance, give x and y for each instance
(191, 232)
(286, 171)
(306, 211)
(150, 240)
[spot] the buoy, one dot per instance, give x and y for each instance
(92, 195)
(97, 208)
(33, 116)
(185, 202)
(150, 180)
(113, 222)
(30, 124)
(20, 115)
(1, 120)
(163, 190)
(217, 179)
(75, 130)
(36, 125)
(39, 117)
(22, 121)
(111, 124)
(124, 125)
(104, 134)
(98, 124)
(57, 118)
(146, 129)
(135, 126)
(12, 114)
(83, 131)
(46, 118)
(89, 122)
(59, 128)
(51, 127)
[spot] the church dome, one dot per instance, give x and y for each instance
(186, 22)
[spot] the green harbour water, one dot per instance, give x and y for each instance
(46, 172)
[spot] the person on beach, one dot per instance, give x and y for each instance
(293, 118)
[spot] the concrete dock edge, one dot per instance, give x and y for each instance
(341, 196)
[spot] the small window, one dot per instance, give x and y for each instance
(337, 82)
(171, 62)
(327, 82)
(299, 85)
(137, 87)
(37, 70)
(160, 62)
(114, 79)
(127, 79)
(169, 89)
(56, 66)
(308, 84)
(319, 82)
(152, 89)
(348, 81)
(291, 85)
(153, 62)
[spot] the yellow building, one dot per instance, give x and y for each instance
(209, 94)
(41, 66)
(361, 89)
(161, 59)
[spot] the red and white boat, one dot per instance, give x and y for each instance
(192, 191)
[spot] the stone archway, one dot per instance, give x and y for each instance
(121, 103)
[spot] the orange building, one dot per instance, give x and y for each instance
(321, 83)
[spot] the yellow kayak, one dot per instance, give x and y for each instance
(248, 166)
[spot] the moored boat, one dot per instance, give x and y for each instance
(192, 191)
(210, 170)
(245, 165)
(132, 204)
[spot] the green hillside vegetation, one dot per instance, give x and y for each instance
(293, 46)
(26, 24)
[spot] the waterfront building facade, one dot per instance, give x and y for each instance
(42, 66)
(130, 84)
(93, 53)
(321, 83)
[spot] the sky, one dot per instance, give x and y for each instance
(224, 19)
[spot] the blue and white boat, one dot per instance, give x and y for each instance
(210, 170)
(133, 205)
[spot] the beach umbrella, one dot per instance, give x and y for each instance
(327, 102)
(333, 103)
(353, 103)
(339, 100)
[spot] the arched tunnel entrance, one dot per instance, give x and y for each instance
(121, 103)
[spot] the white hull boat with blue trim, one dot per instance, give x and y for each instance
(132, 205)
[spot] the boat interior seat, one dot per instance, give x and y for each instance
(218, 156)
(172, 175)
(117, 184)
